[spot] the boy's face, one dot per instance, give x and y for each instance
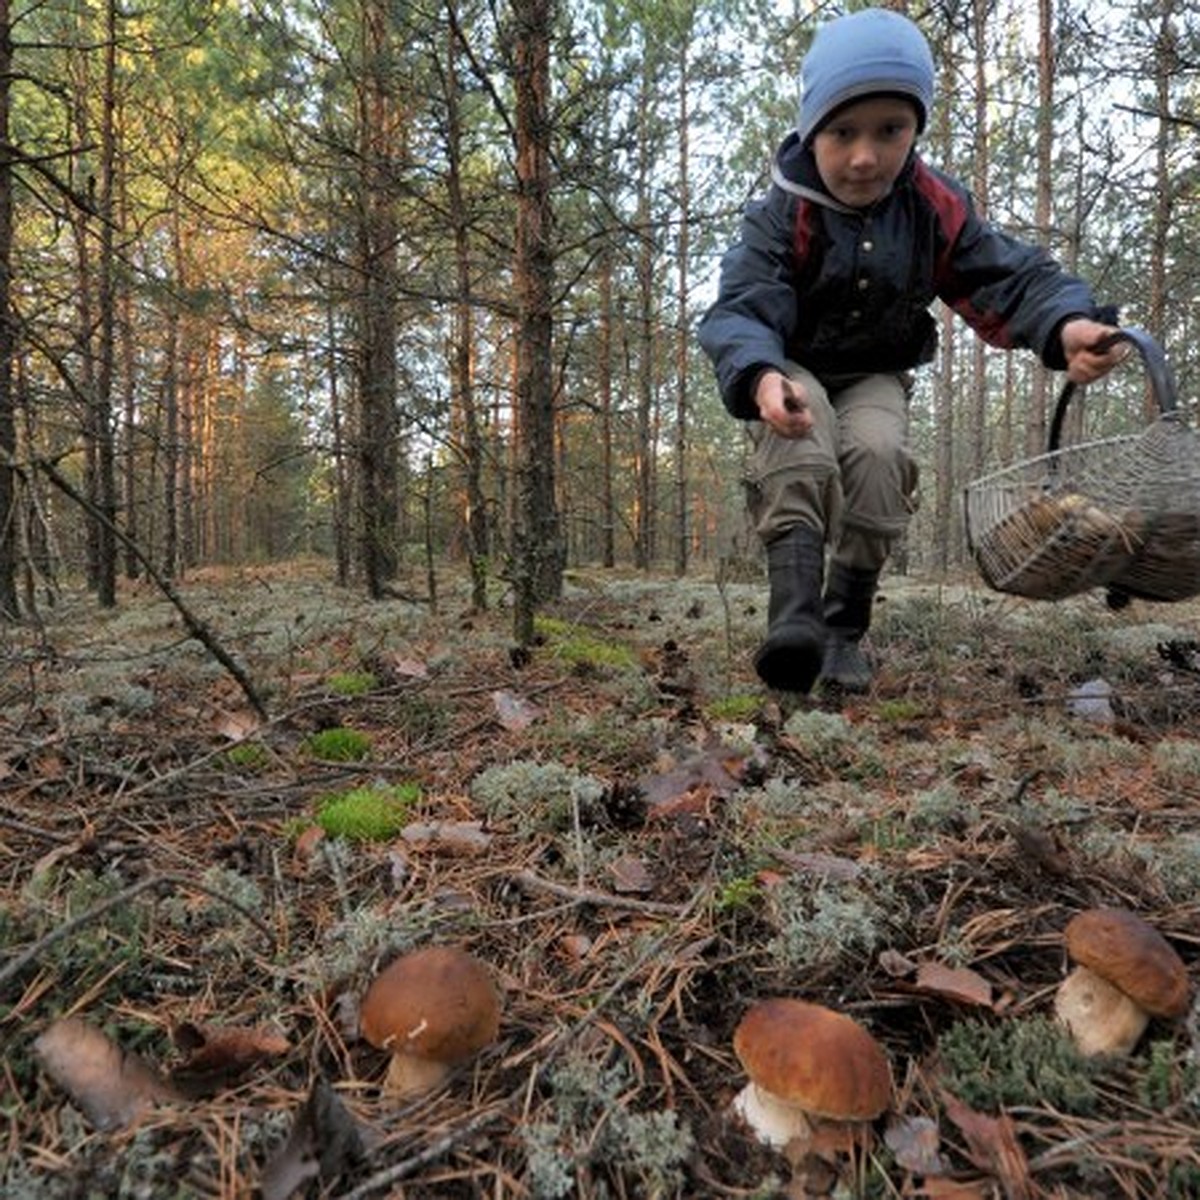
(863, 147)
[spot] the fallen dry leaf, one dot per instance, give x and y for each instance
(992, 1146)
(447, 837)
(514, 712)
(217, 1057)
(915, 1142)
(716, 771)
(575, 946)
(935, 1188)
(830, 867)
(306, 848)
(52, 858)
(405, 668)
(1044, 848)
(955, 983)
(897, 965)
(324, 1142)
(631, 876)
(110, 1085)
(697, 801)
(237, 725)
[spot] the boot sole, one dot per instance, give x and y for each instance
(793, 668)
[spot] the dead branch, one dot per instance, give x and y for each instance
(194, 625)
(535, 883)
(15, 965)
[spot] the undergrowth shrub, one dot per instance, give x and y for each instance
(830, 741)
(819, 925)
(1030, 1062)
(590, 1122)
(536, 796)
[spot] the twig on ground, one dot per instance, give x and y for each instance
(535, 883)
(15, 965)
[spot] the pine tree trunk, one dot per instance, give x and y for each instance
(9, 541)
(683, 333)
(538, 541)
(378, 450)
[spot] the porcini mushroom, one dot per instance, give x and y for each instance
(432, 1009)
(1125, 973)
(804, 1061)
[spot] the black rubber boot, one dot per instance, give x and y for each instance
(848, 600)
(790, 657)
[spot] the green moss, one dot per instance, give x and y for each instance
(1019, 1062)
(368, 814)
(577, 646)
(339, 745)
(1167, 1078)
(898, 708)
(352, 683)
(736, 894)
(248, 756)
(739, 707)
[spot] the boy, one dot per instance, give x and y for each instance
(821, 313)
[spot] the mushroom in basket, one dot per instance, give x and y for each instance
(1071, 512)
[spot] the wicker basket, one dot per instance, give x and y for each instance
(1123, 513)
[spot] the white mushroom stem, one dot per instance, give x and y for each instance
(410, 1075)
(1099, 1016)
(773, 1121)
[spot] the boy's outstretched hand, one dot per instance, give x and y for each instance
(1088, 351)
(783, 405)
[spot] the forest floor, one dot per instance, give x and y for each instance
(637, 841)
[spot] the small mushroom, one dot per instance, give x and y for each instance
(806, 1061)
(1125, 973)
(432, 1009)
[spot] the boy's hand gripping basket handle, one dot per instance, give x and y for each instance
(1162, 379)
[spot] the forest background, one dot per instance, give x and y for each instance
(403, 283)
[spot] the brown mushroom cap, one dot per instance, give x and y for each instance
(438, 1004)
(819, 1060)
(1131, 955)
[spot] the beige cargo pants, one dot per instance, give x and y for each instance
(852, 478)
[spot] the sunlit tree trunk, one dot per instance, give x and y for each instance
(104, 430)
(342, 496)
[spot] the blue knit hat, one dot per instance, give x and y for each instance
(863, 54)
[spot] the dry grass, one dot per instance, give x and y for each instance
(959, 814)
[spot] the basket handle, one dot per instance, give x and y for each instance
(1162, 379)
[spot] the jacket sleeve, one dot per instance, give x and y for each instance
(1012, 292)
(745, 330)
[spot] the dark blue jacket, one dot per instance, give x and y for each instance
(843, 291)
